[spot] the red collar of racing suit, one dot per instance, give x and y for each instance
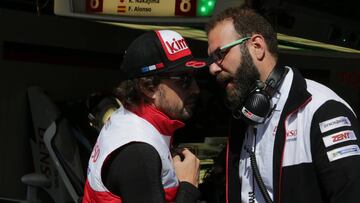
(158, 119)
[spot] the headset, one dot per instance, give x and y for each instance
(258, 105)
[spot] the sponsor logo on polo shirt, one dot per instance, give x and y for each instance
(291, 135)
(334, 123)
(343, 152)
(339, 137)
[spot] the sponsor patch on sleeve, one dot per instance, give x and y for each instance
(339, 137)
(334, 123)
(343, 152)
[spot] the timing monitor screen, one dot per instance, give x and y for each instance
(152, 7)
(183, 12)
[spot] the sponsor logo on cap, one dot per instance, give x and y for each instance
(174, 44)
(195, 64)
(343, 152)
(334, 123)
(339, 137)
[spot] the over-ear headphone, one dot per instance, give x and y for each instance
(258, 106)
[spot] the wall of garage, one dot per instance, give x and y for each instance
(67, 58)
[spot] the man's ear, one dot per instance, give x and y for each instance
(258, 46)
(147, 89)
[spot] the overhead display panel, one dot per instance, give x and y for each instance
(152, 7)
(184, 12)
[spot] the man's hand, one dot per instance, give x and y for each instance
(188, 169)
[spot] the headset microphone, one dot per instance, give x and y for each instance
(258, 106)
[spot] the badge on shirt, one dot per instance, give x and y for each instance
(339, 137)
(343, 152)
(334, 123)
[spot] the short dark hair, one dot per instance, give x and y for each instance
(246, 23)
(130, 92)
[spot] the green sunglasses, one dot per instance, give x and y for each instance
(220, 53)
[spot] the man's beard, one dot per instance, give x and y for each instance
(243, 81)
